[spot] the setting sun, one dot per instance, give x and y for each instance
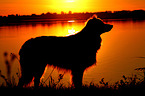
(27, 7)
(69, 5)
(70, 1)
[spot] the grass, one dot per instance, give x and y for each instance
(127, 86)
(121, 88)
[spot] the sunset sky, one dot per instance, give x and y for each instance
(27, 7)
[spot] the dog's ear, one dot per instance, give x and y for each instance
(91, 18)
(94, 16)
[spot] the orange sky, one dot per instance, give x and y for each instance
(27, 7)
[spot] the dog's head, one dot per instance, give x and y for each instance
(97, 26)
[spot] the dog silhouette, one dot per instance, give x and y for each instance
(74, 53)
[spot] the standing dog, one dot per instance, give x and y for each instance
(75, 53)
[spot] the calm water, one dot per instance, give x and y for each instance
(118, 55)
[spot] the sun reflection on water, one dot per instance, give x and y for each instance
(72, 31)
(71, 21)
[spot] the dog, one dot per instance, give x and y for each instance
(75, 53)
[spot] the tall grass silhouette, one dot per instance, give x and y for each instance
(127, 86)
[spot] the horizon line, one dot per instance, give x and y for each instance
(73, 12)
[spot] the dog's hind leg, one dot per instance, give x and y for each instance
(26, 77)
(25, 80)
(77, 76)
(26, 71)
(39, 72)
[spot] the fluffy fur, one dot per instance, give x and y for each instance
(75, 53)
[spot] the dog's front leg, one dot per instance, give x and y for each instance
(77, 76)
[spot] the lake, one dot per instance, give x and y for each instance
(122, 50)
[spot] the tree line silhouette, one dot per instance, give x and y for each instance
(124, 15)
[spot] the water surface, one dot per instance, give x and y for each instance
(118, 55)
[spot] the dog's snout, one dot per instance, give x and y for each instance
(111, 26)
(108, 27)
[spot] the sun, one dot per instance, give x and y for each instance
(68, 5)
(70, 1)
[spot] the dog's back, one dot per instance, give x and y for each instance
(65, 52)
